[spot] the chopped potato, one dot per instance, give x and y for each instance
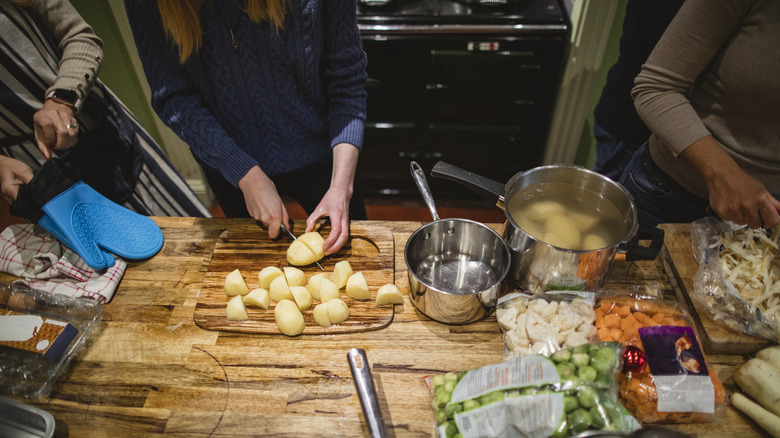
(389, 294)
(328, 290)
(258, 297)
(338, 311)
(280, 290)
(320, 314)
(266, 276)
(235, 284)
(289, 318)
(314, 285)
(341, 273)
(294, 276)
(236, 310)
(357, 288)
(314, 241)
(302, 297)
(299, 254)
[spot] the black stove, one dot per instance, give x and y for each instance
(512, 15)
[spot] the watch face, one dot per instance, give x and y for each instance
(67, 96)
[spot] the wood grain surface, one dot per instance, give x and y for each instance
(151, 371)
(681, 266)
(370, 250)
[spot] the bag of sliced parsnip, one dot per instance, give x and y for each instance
(738, 280)
(569, 393)
(546, 323)
(666, 377)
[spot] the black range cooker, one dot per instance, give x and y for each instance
(469, 82)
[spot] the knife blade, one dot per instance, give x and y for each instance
(289, 233)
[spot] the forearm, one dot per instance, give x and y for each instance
(345, 158)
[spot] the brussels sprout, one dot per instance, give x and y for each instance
(580, 359)
(470, 404)
(580, 349)
(566, 369)
(513, 393)
(438, 380)
(450, 385)
(587, 396)
(450, 429)
(561, 356)
(598, 417)
(586, 373)
(453, 408)
(451, 377)
(443, 398)
(570, 403)
(578, 421)
(440, 416)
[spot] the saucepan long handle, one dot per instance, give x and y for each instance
(488, 189)
(422, 184)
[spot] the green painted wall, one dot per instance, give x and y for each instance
(586, 153)
(116, 70)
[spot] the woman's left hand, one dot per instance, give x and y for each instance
(56, 128)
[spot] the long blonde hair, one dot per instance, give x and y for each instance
(181, 20)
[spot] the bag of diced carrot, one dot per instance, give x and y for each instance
(666, 378)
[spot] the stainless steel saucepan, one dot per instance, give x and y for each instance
(455, 266)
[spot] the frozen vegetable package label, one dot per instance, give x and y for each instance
(517, 372)
(523, 416)
(679, 370)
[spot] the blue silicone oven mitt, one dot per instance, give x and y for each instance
(89, 223)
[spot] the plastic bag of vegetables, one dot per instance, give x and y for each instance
(569, 393)
(738, 280)
(666, 377)
(546, 323)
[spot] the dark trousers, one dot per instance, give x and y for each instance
(306, 186)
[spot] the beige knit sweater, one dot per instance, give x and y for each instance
(716, 71)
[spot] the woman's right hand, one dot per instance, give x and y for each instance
(263, 201)
(56, 128)
(13, 174)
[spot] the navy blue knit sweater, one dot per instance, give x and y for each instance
(280, 100)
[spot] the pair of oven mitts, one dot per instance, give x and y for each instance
(81, 218)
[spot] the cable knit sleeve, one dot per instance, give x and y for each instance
(177, 103)
(661, 90)
(82, 50)
(344, 68)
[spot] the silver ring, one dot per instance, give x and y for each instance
(73, 125)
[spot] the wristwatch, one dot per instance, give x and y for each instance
(65, 97)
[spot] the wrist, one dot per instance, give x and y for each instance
(65, 97)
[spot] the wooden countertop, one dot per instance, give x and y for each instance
(152, 371)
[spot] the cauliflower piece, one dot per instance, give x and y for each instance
(520, 303)
(544, 308)
(574, 340)
(542, 348)
(563, 321)
(516, 341)
(563, 335)
(538, 329)
(507, 318)
(583, 308)
(587, 329)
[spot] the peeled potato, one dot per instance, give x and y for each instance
(565, 228)
(279, 289)
(314, 241)
(328, 290)
(299, 254)
(266, 276)
(338, 311)
(314, 285)
(357, 288)
(541, 210)
(389, 294)
(593, 241)
(258, 297)
(289, 318)
(341, 273)
(320, 314)
(295, 277)
(584, 220)
(236, 310)
(235, 284)
(302, 297)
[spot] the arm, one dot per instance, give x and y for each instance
(344, 67)
(688, 47)
(82, 53)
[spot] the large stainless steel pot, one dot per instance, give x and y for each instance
(455, 266)
(538, 266)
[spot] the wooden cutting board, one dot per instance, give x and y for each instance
(681, 267)
(370, 250)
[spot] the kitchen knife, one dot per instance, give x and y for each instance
(289, 233)
(364, 383)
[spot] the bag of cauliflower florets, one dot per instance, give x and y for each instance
(544, 324)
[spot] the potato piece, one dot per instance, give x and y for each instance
(235, 284)
(338, 311)
(584, 220)
(314, 241)
(321, 316)
(593, 241)
(299, 254)
(295, 277)
(543, 209)
(341, 273)
(267, 275)
(357, 288)
(279, 289)
(236, 310)
(302, 297)
(389, 294)
(314, 285)
(258, 297)
(289, 318)
(328, 290)
(565, 228)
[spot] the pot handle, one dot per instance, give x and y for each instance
(486, 188)
(636, 252)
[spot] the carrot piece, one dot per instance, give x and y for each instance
(627, 322)
(600, 311)
(611, 320)
(641, 317)
(669, 321)
(659, 317)
(604, 335)
(599, 321)
(616, 334)
(623, 310)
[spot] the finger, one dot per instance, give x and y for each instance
(274, 227)
(769, 216)
(44, 140)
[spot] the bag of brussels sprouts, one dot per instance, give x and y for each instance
(569, 393)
